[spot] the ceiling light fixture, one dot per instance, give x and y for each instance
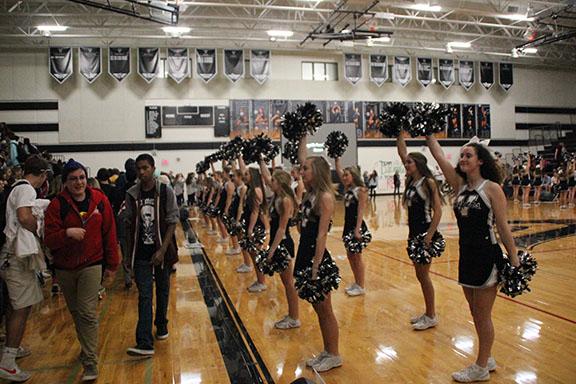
(459, 44)
(279, 33)
(517, 17)
(427, 7)
(176, 30)
(530, 50)
(52, 28)
(385, 15)
(514, 53)
(383, 39)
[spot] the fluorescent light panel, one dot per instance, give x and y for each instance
(459, 44)
(530, 50)
(427, 7)
(279, 33)
(52, 28)
(176, 30)
(517, 17)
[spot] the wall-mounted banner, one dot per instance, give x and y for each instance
(466, 74)
(60, 63)
(277, 109)
(353, 67)
(148, 63)
(222, 122)
(378, 69)
(468, 120)
(483, 117)
(153, 121)
(506, 76)
(486, 74)
(90, 59)
(260, 65)
(206, 66)
(178, 64)
(424, 72)
(446, 72)
(119, 62)
(402, 70)
(234, 64)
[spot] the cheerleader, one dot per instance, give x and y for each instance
(211, 192)
(297, 184)
(235, 212)
(571, 182)
(355, 199)
(318, 208)
(281, 210)
(526, 184)
(515, 183)
(537, 183)
(424, 203)
(219, 203)
(252, 218)
(225, 199)
(563, 187)
(479, 203)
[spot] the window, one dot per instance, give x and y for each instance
(319, 71)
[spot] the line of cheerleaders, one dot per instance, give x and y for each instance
(233, 201)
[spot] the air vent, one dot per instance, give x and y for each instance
(513, 9)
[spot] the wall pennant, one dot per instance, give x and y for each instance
(90, 59)
(119, 62)
(148, 63)
(506, 77)
(424, 72)
(353, 67)
(178, 63)
(260, 63)
(234, 64)
(378, 69)
(60, 63)
(466, 74)
(486, 74)
(402, 70)
(446, 72)
(206, 64)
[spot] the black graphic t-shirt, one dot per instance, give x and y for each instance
(146, 238)
(83, 207)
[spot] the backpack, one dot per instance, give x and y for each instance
(3, 204)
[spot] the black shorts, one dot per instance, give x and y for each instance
(537, 182)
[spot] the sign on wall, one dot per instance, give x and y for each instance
(152, 118)
(506, 75)
(486, 74)
(402, 70)
(60, 63)
(353, 67)
(119, 62)
(90, 59)
(178, 64)
(206, 64)
(234, 64)
(424, 72)
(260, 65)
(446, 72)
(148, 63)
(378, 69)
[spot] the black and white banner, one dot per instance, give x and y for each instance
(506, 76)
(119, 62)
(60, 63)
(260, 65)
(378, 69)
(402, 70)
(424, 72)
(353, 67)
(466, 74)
(206, 66)
(234, 64)
(446, 72)
(486, 74)
(178, 64)
(148, 63)
(90, 59)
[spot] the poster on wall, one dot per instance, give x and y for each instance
(506, 76)
(371, 113)
(355, 115)
(335, 112)
(277, 109)
(260, 65)
(486, 74)
(222, 121)
(234, 64)
(483, 127)
(353, 67)
(60, 63)
(454, 122)
(446, 72)
(466, 74)
(424, 72)
(178, 64)
(260, 117)
(152, 119)
(378, 69)
(148, 63)
(402, 70)
(119, 62)
(90, 59)
(468, 121)
(206, 65)
(240, 117)
(293, 104)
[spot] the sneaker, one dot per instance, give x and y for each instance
(188, 245)
(14, 374)
(101, 293)
(425, 323)
(287, 323)
(328, 362)
(162, 335)
(526, 206)
(244, 268)
(563, 207)
(23, 352)
(471, 374)
(142, 352)
(356, 291)
(317, 359)
(416, 319)
(90, 373)
(256, 287)
(491, 364)
(222, 240)
(197, 245)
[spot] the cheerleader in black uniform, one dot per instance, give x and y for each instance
(252, 216)
(571, 182)
(355, 200)
(515, 183)
(424, 203)
(537, 182)
(563, 187)
(526, 185)
(297, 184)
(479, 204)
(318, 208)
(281, 211)
(211, 195)
(235, 208)
(224, 201)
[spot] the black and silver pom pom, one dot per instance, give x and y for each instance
(314, 291)
(311, 117)
(428, 118)
(336, 144)
(419, 253)
(292, 125)
(290, 152)
(276, 264)
(253, 242)
(202, 166)
(514, 280)
(353, 245)
(394, 118)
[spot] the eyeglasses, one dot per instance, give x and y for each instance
(74, 179)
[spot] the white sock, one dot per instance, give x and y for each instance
(9, 358)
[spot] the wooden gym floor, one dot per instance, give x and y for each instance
(220, 333)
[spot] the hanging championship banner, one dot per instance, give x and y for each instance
(234, 64)
(506, 76)
(60, 63)
(486, 74)
(119, 62)
(352, 67)
(206, 66)
(178, 64)
(446, 72)
(424, 72)
(402, 70)
(260, 65)
(378, 69)
(148, 63)
(466, 74)
(90, 59)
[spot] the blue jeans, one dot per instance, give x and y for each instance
(143, 274)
